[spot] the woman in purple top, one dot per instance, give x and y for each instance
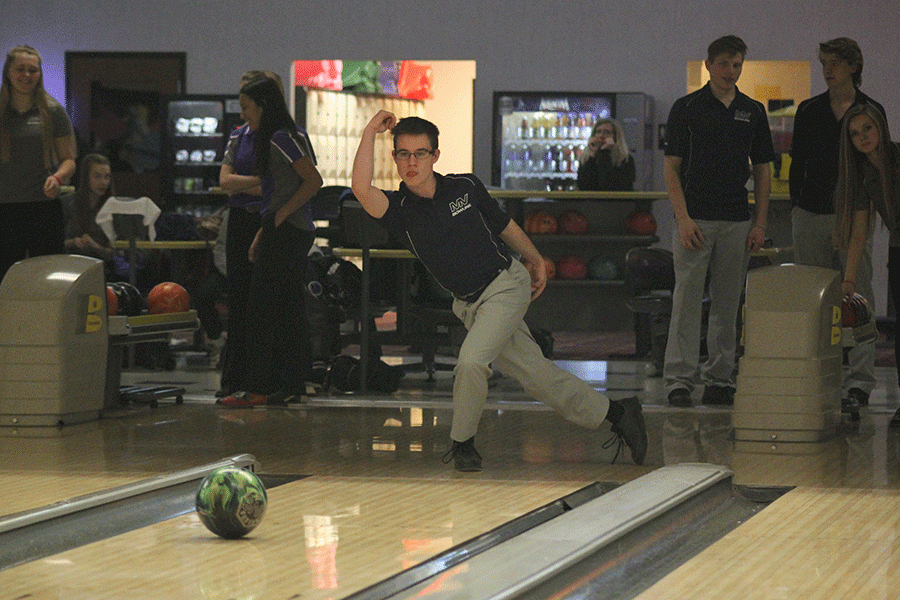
(278, 353)
(245, 201)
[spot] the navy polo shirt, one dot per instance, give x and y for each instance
(814, 153)
(717, 144)
(455, 234)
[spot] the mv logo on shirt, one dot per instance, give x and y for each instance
(459, 205)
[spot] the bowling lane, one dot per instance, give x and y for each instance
(812, 543)
(322, 537)
(39, 490)
(50, 465)
(402, 435)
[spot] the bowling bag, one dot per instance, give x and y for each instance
(333, 289)
(177, 227)
(344, 375)
(339, 282)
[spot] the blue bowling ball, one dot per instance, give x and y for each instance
(603, 268)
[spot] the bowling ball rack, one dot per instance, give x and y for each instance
(853, 336)
(124, 331)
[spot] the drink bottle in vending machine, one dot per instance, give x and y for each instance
(539, 137)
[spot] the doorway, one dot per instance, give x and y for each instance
(114, 100)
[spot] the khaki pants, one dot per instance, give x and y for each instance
(813, 238)
(724, 254)
(497, 335)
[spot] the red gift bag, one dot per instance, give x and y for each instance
(414, 81)
(322, 74)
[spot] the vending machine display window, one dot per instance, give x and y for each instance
(539, 137)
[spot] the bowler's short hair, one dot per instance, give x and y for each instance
(729, 45)
(416, 126)
(846, 49)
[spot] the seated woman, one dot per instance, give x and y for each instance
(606, 165)
(82, 234)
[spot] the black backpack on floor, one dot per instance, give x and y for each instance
(344, 375)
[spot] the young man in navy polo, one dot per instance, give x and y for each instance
(715, 138)
(468, 243)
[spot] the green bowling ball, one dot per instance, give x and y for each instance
(231, 502)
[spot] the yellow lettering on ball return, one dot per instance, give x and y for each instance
(94, 303)
(93, 323)
(835, 336)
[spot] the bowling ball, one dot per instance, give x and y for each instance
(603, 268)
(572, 222)
(231, 502)
(112, 302)
(649, 269)
(571, 267)
(541, 221)
(641, 222)
(131, 303)
(550, 266)
(168, 297)
(122, 299)
(855, 311)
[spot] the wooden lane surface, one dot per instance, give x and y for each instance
(825, 543)
(52, 465)
(321, 538)
(35, 490)
(360, 442)
(46, 469)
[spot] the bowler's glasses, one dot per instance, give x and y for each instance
(419, 154)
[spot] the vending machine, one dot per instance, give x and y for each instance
(195, 136)
(538, 137)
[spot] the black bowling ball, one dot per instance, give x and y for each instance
(131, 303)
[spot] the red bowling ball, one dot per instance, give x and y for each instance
(855, 311)
(641, 222)
(541, 221)
(572, 222)
(550, 267)
(168, 297)
(112, 302)
(571, 267)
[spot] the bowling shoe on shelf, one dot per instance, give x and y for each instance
(680, 397)
(464, 456)
(721, 395)
(631, 430)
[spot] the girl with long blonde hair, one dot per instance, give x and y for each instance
(37, 157)
(606, 164)
(868, 184)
